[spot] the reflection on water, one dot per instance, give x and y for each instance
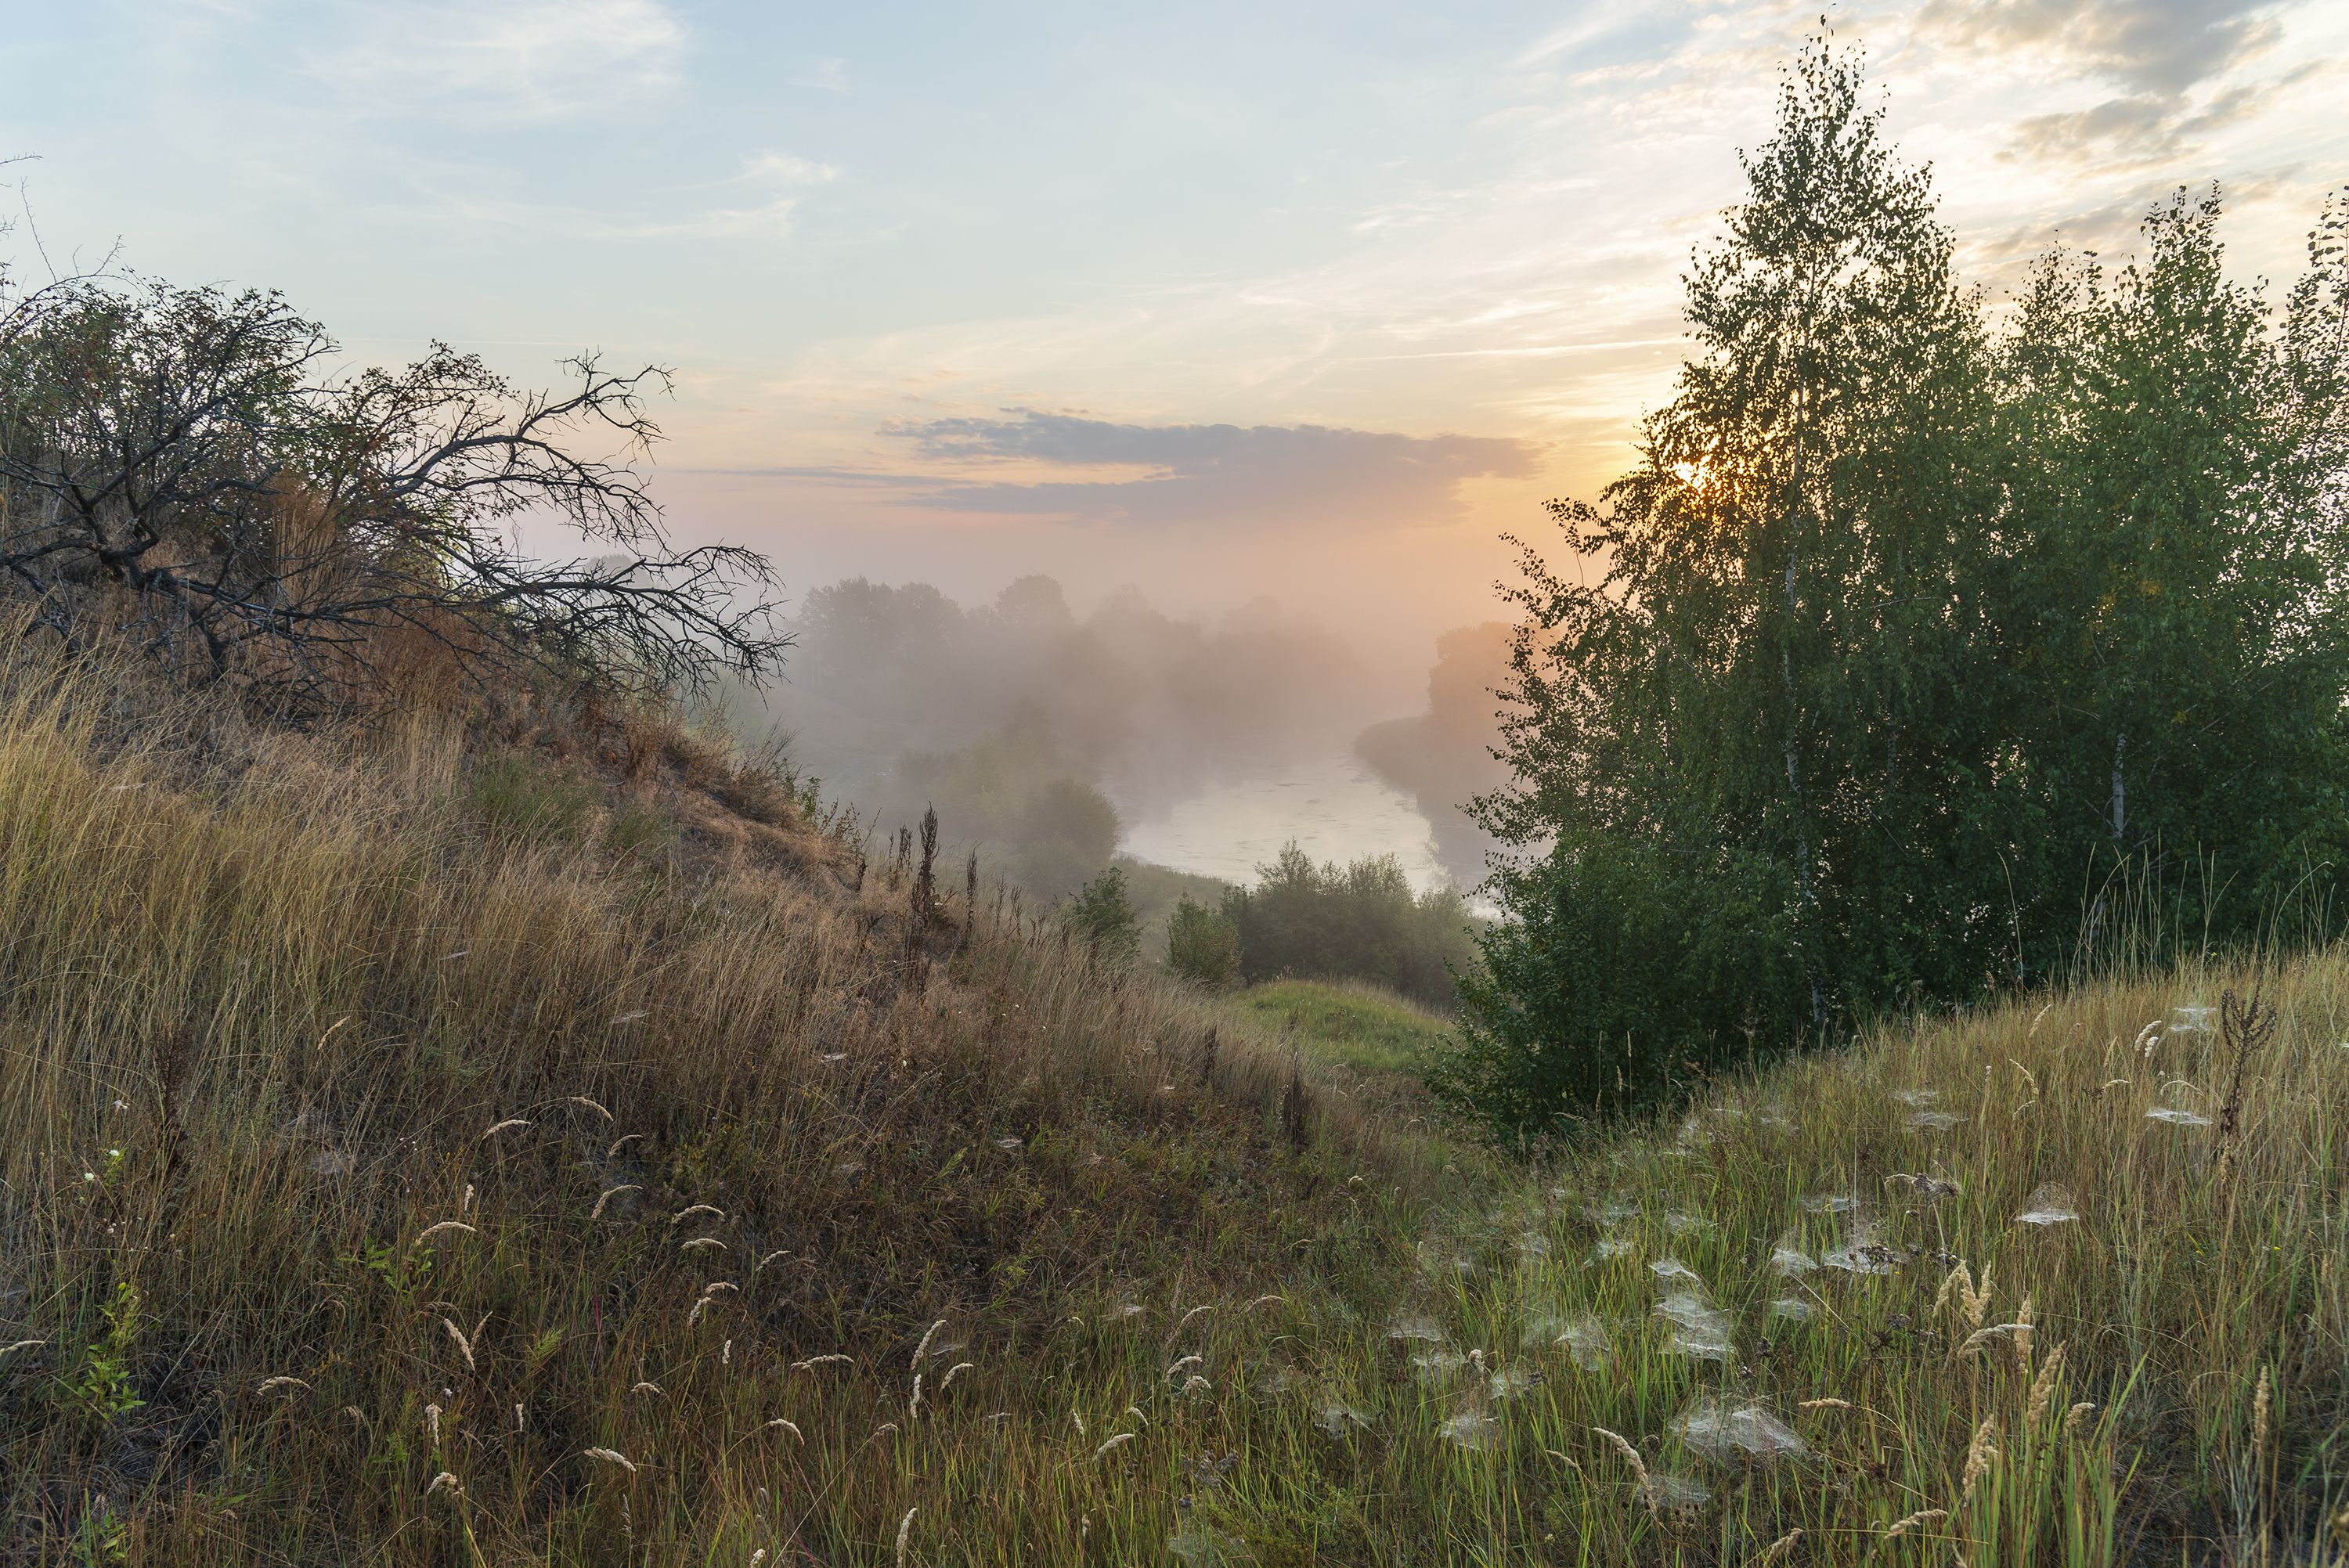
(1334, 806)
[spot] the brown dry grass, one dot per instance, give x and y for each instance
(363, 1160)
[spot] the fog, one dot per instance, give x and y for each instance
(1443, 757)
(1037, 731)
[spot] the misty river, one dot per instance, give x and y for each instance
(1334, 807)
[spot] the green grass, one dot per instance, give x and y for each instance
(1350, 1024)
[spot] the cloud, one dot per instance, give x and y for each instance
(2113, 229)
(536, 60)
(1289, 477)
(2158, 48)
(759, 200)
(2144, 128)
(768, 188)
(2168, 57)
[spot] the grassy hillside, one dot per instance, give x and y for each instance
(1347, 1022)
(549, 1145)
(407, 1157)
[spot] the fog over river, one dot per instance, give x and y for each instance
(1332, 805)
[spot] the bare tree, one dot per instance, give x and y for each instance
(185, 453)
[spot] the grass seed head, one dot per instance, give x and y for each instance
(1185, 1322)
(2042, 1387)
(1956, 1285)
(1639, 1466)
(464, 1345)
(610, 1193)
(1980, 1455)
(1916, 1521)
(611, 1457)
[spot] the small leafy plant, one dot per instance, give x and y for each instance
(97, 1388)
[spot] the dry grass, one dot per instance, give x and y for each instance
(2163, 1377)
(361, 1160)
(382, 1182)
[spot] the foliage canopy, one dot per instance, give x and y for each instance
(1923, 654)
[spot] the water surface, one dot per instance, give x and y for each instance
(1334, 806)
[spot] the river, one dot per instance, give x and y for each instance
(1334, 806)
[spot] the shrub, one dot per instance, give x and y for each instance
(1201, 944)
(1620, 979)
(1101, 914)
(1358, 922)
(1063, 834)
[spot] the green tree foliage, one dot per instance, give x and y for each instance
(1101, 915)
(1907, 631)
(1360, 922)
(1201, 944)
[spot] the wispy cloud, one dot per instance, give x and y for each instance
(759, 200)
(536, 60)
(2143, 128)
(2177, 65)
(2157, 48)
(1216, 477)
(762, 197)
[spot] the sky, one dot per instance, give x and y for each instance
(1312, 300)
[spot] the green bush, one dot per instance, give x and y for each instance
(1621, 978)
(1101, 914)
(1202, 945)
(1359, 921)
